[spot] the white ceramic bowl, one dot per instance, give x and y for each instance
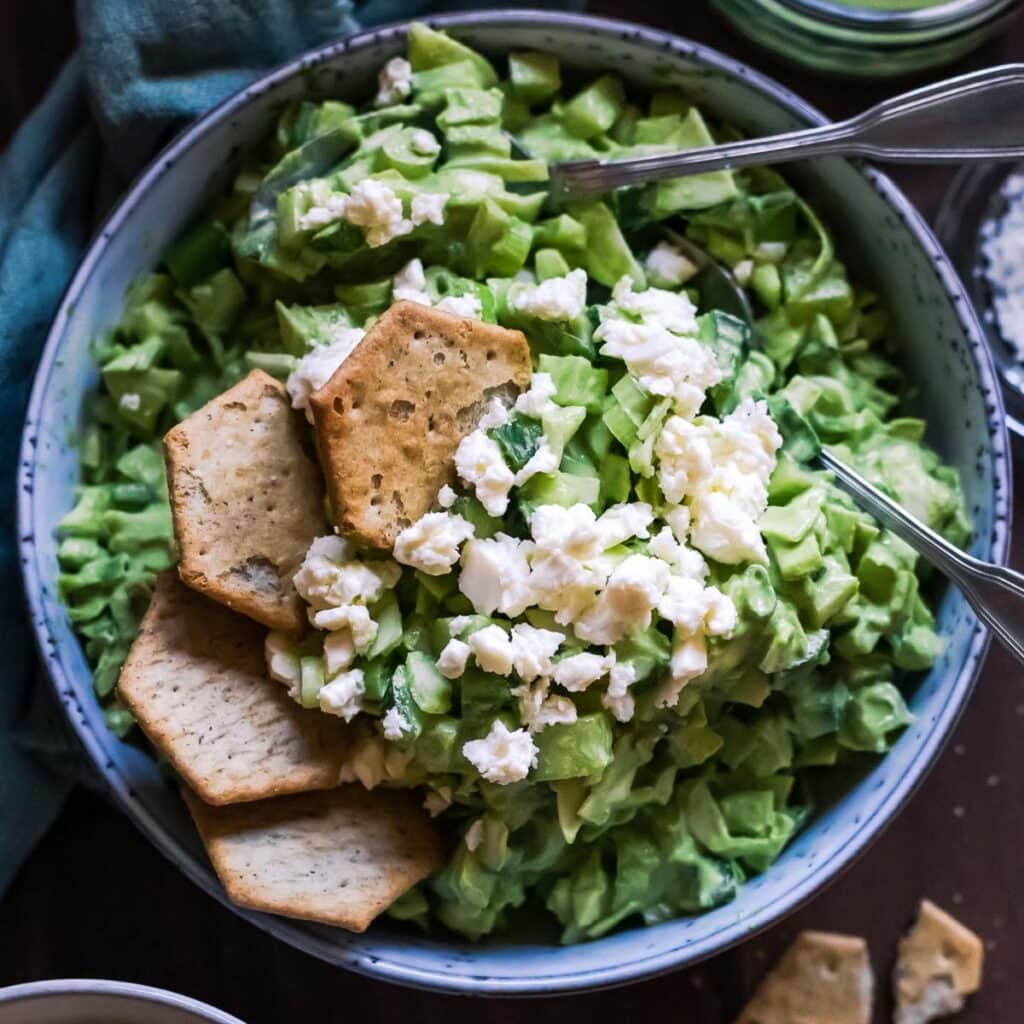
(87, 1001)
(879, 234)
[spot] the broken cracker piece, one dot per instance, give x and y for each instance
(196, 682)
(823, 978)
(340, 857)
(390, 418)
(939, 965)
(247, 500)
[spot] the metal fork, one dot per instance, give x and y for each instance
(970, 117)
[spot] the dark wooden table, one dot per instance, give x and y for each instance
(96, 900)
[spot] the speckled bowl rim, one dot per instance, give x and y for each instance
(640, 967)
(41, 991)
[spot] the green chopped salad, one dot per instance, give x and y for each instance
(639, 625)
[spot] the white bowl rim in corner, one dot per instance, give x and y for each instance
(40, 991)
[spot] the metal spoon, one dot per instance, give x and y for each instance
(995, 593)
(970, 117)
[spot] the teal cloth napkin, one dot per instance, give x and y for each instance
(143, 70)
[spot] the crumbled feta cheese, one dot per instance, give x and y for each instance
(373, 206)
(431, 544)
(480, 465)
(282, 661)
(557, 298)
(573, 530)
(622, 522)
(343, 696)
(680, 558)
(352, 617)
(452, 660)
(502, 756)
(467, 305)
(438, 800)
(130, 401)
(683, 449)
(458, 623)
(395, 725)
(538, 399)
(742, 272)
(625, 605)
(771, 252)
(495, 415)
(663, 363)
(409, 284)
(446, 497)
(683, 603)
(394, 82)
(338, 587)
(339, 652)
(656, 307)
(533, 649)
(317, 366)
(428, 208)
(544, 460)
(566, 576)
(496, 575)
(678, 519)
(538, 708)
(423, 143)
(474, 835)
(492, 648)
(617, 698)
(323, 205)
(579, 671)
(667, 266)
(724, 531)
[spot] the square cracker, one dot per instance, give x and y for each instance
(940, 964)
(390, 418)
(340, 857)
(247, 500)
(823, 978)
(196, 682)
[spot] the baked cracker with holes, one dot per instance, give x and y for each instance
(390, 418)
(939, 965)
(340, 857)
(823, 978)
(196, 682)
(247, 500)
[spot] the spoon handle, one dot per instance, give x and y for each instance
(970, 117)
(994, 592)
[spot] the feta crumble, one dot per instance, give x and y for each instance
(428, 208)
(667, 266)
(617, 699)
(480, 465)
(539, 708)
(373, 206)
(558, 298)
(503, 756)
(431, 544)
(446, 497)
(496, 575)
(395, 725)
(579, 671)
(317, 367)
(674, 311)
(461, 305)
(454, 657)
(282, 661)
(492, 648)
(394, 82)
(338, 587)
(343, 696)
(130, 401)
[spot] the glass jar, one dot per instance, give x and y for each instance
(869, 38)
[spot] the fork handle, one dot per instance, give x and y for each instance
(970, 117)
(995, 593)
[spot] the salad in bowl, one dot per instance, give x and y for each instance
(484, 543)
